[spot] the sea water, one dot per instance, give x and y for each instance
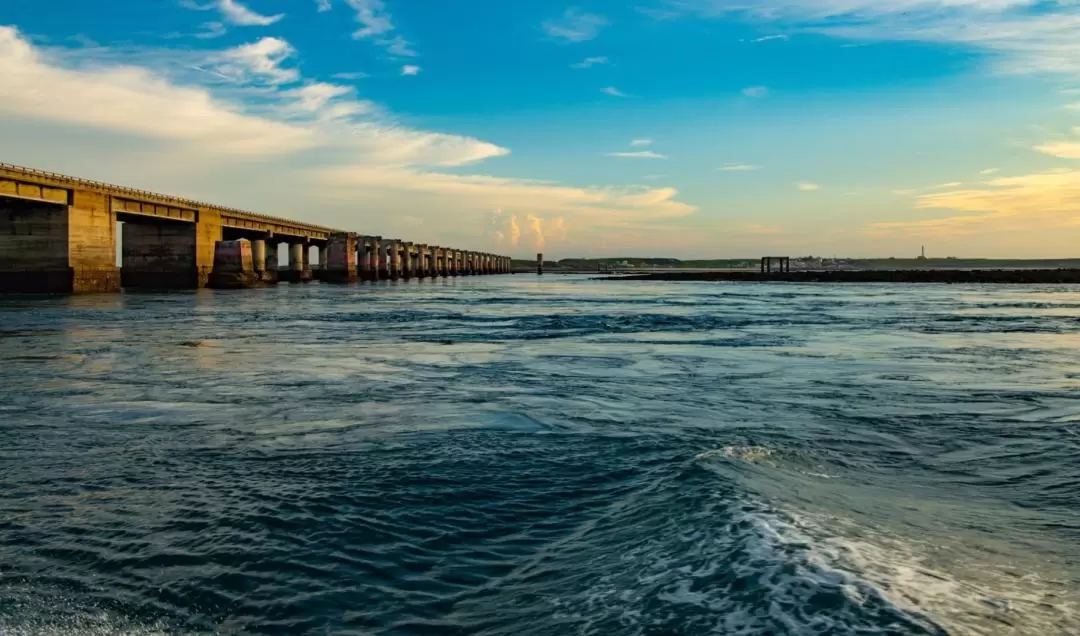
(520, 455)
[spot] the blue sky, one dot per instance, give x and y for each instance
(690, 128)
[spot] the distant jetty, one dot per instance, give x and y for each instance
(996, 276)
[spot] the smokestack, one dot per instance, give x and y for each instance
(539, 264)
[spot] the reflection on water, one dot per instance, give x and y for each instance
(542, 456)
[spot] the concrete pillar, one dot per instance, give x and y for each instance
(322, 256)
(393, 259)
(363, 247)
(258, 255)
(299, 268)
(54, 246)
(270, 267)
(234, 266)
(407, 264)
(539, 264)
(433, 255)
(378, 264)
(340, 263)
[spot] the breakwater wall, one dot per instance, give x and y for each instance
(997, 276)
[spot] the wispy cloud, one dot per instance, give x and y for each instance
(904, 192)
(1019, 35)
(575, 26)
(950, 184)
(260, 61)
(638, 154)
(233, 12)
(770, 38)
(590, 62)
(377, 23)
(323, 5)
(238, 14)
(350, 76)
(211, 30)
(1007, 205)
(410, 69)
(614, 92)
(808, 186)
(755, 91)
(738, 167)
(638, 143)
(989, 171)
(316, 149)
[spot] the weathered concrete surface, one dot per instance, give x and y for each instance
(1008, 276)
(341, 261)
(299, 270)
(234, 266)
(57, 247)
(160, 255)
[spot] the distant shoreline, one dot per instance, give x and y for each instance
(998, 276)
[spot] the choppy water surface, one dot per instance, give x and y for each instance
(533, 456)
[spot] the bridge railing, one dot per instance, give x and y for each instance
(146, 193)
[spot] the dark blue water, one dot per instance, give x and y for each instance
(518, 456)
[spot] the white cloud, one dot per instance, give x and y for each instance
(638, 143)
(410, 69)
(350, 76)
(807, 186)
(639, 154)
(238, 14)
(211, 30)
(1075, 106)
(770, 38)
(259, 61)
(738, 167)
(1062, 149)
(590, 62)
(323, 5)
(310, 150)
(904, 192)
(950, 184)
(989, 171)
(130, 100)
(575, 26)
(614, 92)
(375, 21)
(1006, 206)
(1020, 35)
(755, 91)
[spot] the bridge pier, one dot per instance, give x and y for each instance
(63, 246)
(341, 255)
(299, 270)
(234, 266)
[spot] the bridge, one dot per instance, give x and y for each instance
(59, 234)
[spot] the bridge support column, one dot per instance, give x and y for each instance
(60, 247)
(407, 269)
(373, 270)
(234, 266)
(270, 270)
(299, 269)
(341, 258)
(320, 272)
(166, 254)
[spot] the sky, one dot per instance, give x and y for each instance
(664, 128)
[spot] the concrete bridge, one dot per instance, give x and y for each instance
(58, 234)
